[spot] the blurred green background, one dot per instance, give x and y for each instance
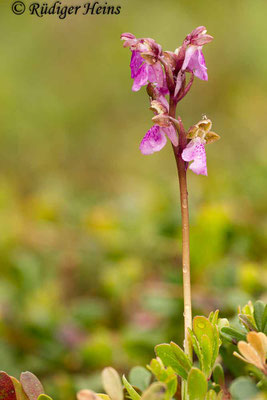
(90, 241)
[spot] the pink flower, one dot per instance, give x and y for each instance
(195, 151)
(145, 65)
(142, 72)
(155, 139)
(195, 62)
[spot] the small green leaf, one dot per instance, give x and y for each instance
(20, 394)
(207, 351)
(216, 344)
(218, 375)
(258, 313)
(197, 385)
(165, 375)
(247, 323)
(234, 333)
(103, 396)
(7, 391)
(211, 395)
(243, 389)
(132, 393)
(156, 391)
(31, 385)
(213, 317)
(156, 367)
(44, 397)
(202, 326)
(165, 352)
(220, 395)
(139, 377)
(196, 347)
(181, 356)
(264, 321)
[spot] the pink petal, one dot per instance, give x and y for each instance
(188, 54)
(141, 78)
(195, 151)
(135, 64)
(154, 140)
(155, 74)
(171, 133)
(198, 66)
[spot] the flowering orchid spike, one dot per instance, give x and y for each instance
(200, 135)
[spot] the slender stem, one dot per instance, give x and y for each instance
(181, 166)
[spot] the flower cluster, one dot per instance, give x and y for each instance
(165, 74)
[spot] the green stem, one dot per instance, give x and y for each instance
(181, 167)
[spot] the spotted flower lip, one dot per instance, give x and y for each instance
(195, 151)
(155, 139)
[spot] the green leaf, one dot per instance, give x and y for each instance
(157, 368)
(258, 313)
(7, 391)
(216, 344)
(112, 383)
(196, 347)
(202, 326)
(197, 385)
(182, 358)
(207, 352)
(31, 385)
(165, 375)
(234, 333)
(132, 393)
(247, 323)
(156, 391)
(20, 394)
(218, 375)
(44, 397)
(264, 321)
(103, 396)
(243, 389)
(213, 317)
(211, 395)
(165, 352)
(139, 377)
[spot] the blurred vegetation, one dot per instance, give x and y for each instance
(89, 228)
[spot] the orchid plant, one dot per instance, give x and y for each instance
(174, 373)
(164, 73)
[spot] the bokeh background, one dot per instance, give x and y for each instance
(90, 241)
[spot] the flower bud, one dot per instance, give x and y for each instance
(150, 59)
(161, 120)
(149, 47)
(158, 107)
(203, 130)
(201, 40)
(200, 30)
(129, 39)
(171, 58)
